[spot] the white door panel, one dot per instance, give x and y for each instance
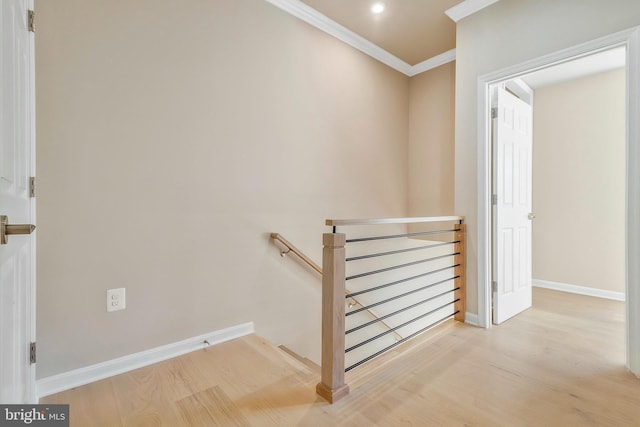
(512, 147)
(17, 256)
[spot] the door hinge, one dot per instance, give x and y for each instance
(31, 15)
(32, 186)
(494, 113)
(494, 199)
(494, 286)
(32, 352)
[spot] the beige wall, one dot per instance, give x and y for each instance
(507, 33)
(579, 182)
(431, 142)
(173, 136)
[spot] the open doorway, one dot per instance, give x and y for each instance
(562, 156)
(631, 40)
(579, 175)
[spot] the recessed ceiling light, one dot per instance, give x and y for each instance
(377, 7)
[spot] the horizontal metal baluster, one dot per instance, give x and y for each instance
(378, 319)
(397, 282)
(397, 343)
(395, 267)
(353, 347)
(396, 236)
(400, 296)
(399, 251)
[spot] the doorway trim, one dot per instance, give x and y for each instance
(631, 40)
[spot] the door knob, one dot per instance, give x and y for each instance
(7, 229)
(531, 216)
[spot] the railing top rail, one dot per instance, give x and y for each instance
(343, 222)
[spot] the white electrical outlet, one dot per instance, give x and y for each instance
(116, 299)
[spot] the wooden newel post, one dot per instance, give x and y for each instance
(332, 386)
(461, 271)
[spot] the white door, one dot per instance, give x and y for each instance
(17, 256)
(512, 185)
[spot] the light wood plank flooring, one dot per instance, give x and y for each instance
(560, 363)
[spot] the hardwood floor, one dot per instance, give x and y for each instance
(560, 363)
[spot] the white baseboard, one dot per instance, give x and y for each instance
(471, 319)
(77, 377)
(582, 290)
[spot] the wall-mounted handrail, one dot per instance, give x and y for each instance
(296, 251)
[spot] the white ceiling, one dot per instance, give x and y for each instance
(582, 67)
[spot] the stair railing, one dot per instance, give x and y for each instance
(413, 297)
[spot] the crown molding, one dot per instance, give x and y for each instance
(431, 63)
(468, 7)
(329, 26)
(312, 17)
